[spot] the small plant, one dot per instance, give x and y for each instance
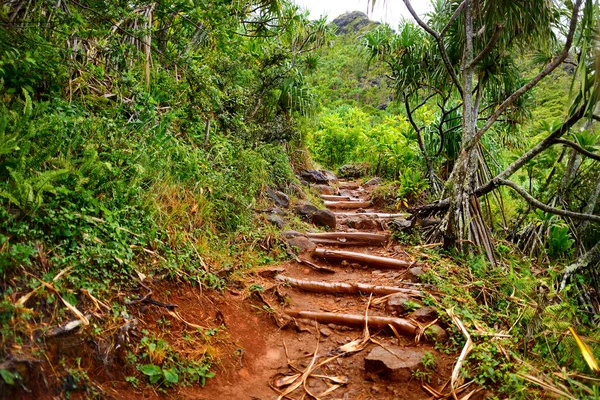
(156, 374)
(428, 360)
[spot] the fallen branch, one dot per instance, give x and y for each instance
(346, 288)
(464, 353)
(375, 261)
(403, 326)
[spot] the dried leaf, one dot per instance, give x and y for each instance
(586, 352)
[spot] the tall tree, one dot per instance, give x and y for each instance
(475, 39)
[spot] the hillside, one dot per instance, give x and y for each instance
(230, 200)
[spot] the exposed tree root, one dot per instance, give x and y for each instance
(346, 288)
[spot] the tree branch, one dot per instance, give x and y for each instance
(586, 260)
(453, 18)
(440, 42)
(544, 207)
(579, 148)
(489, 46)
(534, 81)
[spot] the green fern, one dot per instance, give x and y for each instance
(28, 193)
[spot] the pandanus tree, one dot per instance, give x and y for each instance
(468, 63)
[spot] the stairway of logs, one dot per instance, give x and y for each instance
(360, 279)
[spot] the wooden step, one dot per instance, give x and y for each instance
(401, 325)
(331, 197)
(348, 185)
(350, 238)
(373, 215)
(346, 288)
(372, 261)
(347, 204)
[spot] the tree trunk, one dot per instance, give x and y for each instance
(591, 205)
(463, 223)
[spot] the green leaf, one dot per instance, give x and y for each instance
(8, 376)
(150, 369)
(171, 375)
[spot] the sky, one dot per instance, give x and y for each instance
(389, 11)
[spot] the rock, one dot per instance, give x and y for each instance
(394, 363)
(399, 303)
(314, 176)
(325, 189)
(414, 274)
(276, 220)
(324, 218)
(275, 210)
(329, 175)
(424, 314)
(325, 332)
(400, 224)
(302, 244)
(297, 191)
(352, 22)
(305, 209)
(353, 170)
(290, 234)
(436, 334)
(361, 222)
(280, 198)
(376, 181)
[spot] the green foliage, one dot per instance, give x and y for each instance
(348, 134)
(412, 184)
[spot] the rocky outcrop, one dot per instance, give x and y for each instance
(354, 21)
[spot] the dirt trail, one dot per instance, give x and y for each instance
(389, 367)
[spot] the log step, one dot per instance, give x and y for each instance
(373, 261)
(345, 288)
(331, 197)
(348, 185)
(347, 204)
(373, 215)
(403, 326)
(371, 238)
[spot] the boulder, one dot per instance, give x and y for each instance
(290, 234)
(314, 176)
(305, 209)
(352, 170)
(280, 198)
(414, 274)
(276, 220)
(436, 334)
(329, 175)
(361, 222)
(399, 303)
(302, 244)
(424, 314)
(400, 225)
(324, 189)
(394, 363)
(376, 181)
(324, 218)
